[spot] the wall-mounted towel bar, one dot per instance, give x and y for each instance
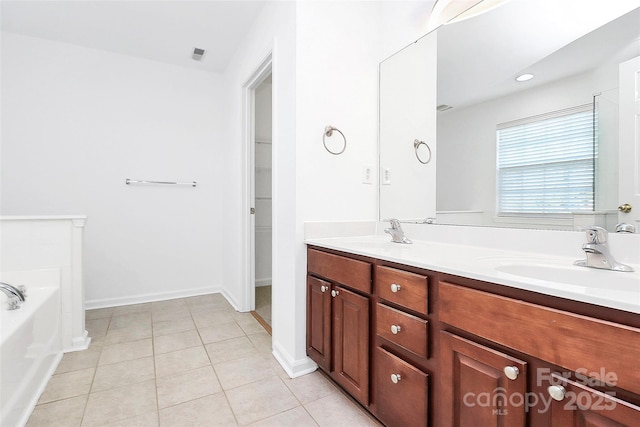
(135, 181)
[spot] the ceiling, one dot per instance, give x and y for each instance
(479, 58)
(165, 31)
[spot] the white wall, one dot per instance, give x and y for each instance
(76, 122)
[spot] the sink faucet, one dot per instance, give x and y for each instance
(15, 295)
(396, 232)
(597, 250)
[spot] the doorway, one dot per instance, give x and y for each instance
(262, 201)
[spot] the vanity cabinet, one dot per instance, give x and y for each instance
(423, 348)
(338, 318)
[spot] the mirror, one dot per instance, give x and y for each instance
(575, 63)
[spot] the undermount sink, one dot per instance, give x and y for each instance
(573, 275)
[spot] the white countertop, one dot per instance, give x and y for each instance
(550, 275)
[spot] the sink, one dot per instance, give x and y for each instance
(573, 275)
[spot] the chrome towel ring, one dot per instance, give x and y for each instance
(416, 144)
(328, 132)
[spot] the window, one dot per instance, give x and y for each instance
(546, 164)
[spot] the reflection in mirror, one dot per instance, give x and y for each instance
(575, 67)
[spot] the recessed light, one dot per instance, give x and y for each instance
(524, 77)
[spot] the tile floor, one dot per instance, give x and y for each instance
(185, 362)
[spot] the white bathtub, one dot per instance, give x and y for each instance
(30, 343)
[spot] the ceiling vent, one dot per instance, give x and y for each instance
(197, 54)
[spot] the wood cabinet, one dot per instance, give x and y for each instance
(481, 386)
(422, 348)
(338, 320)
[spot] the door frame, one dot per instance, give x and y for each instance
(260, 73)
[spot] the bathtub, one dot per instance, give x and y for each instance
(30, 343)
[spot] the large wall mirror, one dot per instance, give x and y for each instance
(574, 50)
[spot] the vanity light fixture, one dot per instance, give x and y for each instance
(524, 77)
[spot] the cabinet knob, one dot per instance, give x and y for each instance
(324, 288)
(557, 392)
(395, 329)
(511, 372)
(395, 287)
(334, 293)
(395, 378)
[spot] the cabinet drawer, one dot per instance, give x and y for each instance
(401, 287)
(409, 332)
(586, 342)
(403, 399)
(346, 271)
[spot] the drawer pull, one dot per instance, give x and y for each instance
(395, 329)
(557, 392)
(395, 287)
(335, 293)
(511, 372)
(395, 378)
(324, 288)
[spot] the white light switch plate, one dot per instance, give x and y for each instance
(367, 174)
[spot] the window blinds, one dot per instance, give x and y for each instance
(546, 163)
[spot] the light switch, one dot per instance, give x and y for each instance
(386, 176)
(367, 174)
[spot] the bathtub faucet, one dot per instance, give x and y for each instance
(15, 296)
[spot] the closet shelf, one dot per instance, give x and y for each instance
(263, 198)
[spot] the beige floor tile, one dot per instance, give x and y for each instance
(220, 332)
(99, 313)
(243, 371)
(209, 411)
(212, 318)
(235, 348)
(173, 326)
(131, 320)
(120, 403)
(170, 314)
(310, 387)
(97, 327)
(336, 410)
(77, 360)
(69, 384)
(206, 299)
(149, 419)
(273, 362)
(123, 373)
(168, 305)
(190, 385)
(297, 417)
(251, 326)
(239, 316)
(174, 342)
(125, 351)
(262, 341)
(132, 308)
(62, 413)
(209, 307)
(115, 336)
(181, 361)
(260, 400)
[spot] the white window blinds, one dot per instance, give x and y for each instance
(546, 163)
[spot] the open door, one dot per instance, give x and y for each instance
(629, 188)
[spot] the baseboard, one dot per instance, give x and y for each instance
(139, 299)
(79, 343)
(263, 282)
(293, 368)
(230, 299)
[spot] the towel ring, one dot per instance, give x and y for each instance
(416, 144)
(328, 132)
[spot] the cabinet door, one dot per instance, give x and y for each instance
(351, 342)
(319, 322)
(475, 388)
(401, 390)
(581, 406)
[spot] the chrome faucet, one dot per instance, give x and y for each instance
(396, 232)
(597, 250)
(15, 296)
